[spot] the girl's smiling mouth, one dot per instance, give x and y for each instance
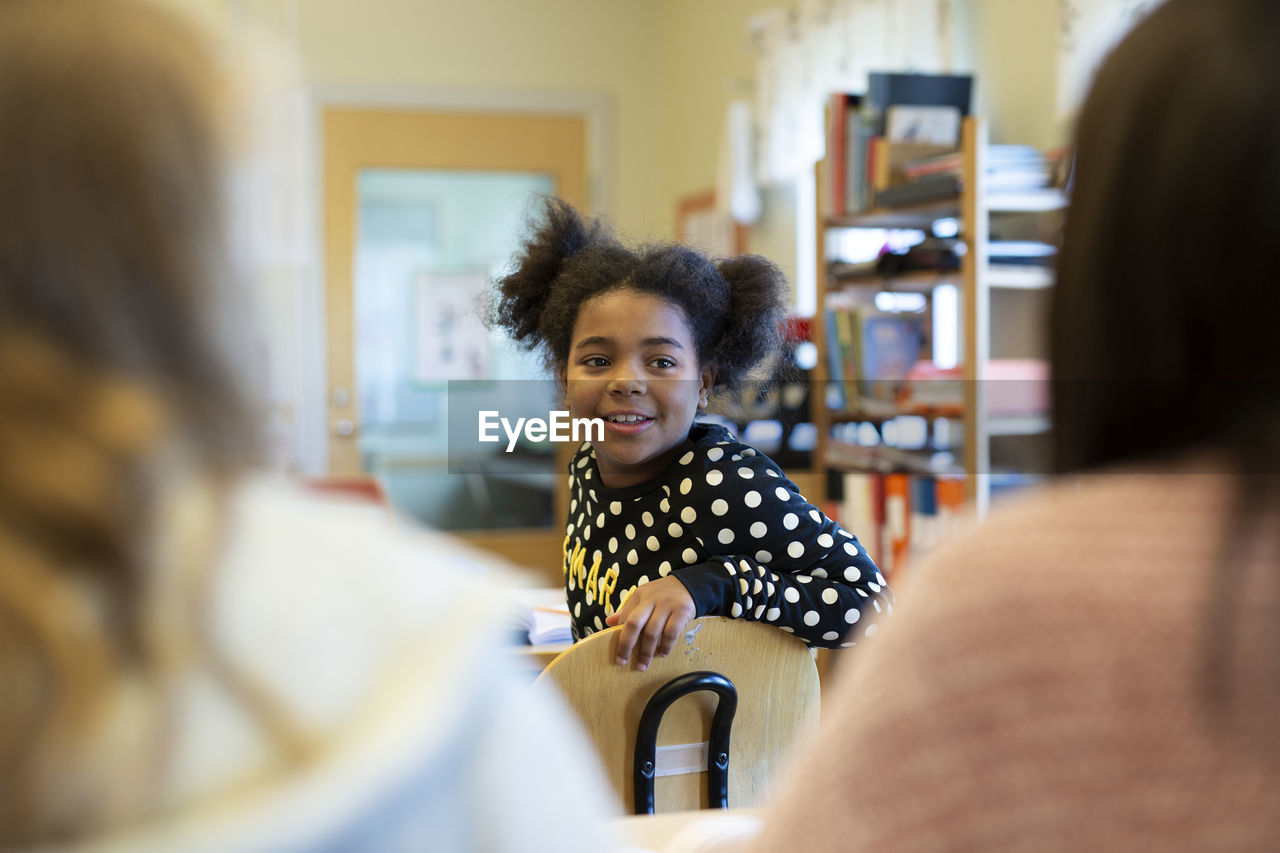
(627, 423)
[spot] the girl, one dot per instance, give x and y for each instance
(671, 519)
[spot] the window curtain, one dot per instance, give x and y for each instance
(1087, 31)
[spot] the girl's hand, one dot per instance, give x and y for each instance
(655, 615)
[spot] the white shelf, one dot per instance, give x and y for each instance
(920, 216)
(1013, 277)
(1026, 201)
(1017, 425)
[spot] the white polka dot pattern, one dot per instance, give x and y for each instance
(764, 554)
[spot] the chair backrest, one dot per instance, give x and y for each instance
(772, 672)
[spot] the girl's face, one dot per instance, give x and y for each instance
(633, 363)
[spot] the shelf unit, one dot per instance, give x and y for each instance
(977, 281)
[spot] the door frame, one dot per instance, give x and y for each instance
(599, 114)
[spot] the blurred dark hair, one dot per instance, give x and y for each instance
(1164, 317)
(734, 307)
(1167, 304)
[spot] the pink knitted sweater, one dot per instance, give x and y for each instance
(1040, 688)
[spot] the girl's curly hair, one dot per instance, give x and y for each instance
(734, 307)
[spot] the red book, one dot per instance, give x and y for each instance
(837, 103)
(897, 523)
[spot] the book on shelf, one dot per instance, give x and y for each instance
(896, 535)
(871, 353)
(861, 509)
(930, 188)
(835, 397)
(850, 164)
(946, 163)
(932, 175)
(886, 90)
(898, 516)
(890, 346)
(930, 386)
(1010, 159)
(929, 124)
(837, 106)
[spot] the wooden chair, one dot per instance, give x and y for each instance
(772, 675)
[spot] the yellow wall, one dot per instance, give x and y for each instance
(1014, 45)
(708, 61)
(667, 68)
(508, 46)
(503, 50)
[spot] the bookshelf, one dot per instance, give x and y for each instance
(988, 422)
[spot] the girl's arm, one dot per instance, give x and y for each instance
(768, 555)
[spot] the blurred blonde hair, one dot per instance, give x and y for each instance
(113, 380)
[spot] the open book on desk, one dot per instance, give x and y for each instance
(543, 615)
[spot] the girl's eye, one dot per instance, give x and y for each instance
(595, 361)
(663, 363)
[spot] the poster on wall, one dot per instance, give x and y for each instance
(450, 339)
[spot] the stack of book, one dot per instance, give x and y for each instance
(850, 155)
(898, 516)
(1009, 168)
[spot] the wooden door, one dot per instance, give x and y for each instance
(357, 141)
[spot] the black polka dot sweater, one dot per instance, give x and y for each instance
(734, 530)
